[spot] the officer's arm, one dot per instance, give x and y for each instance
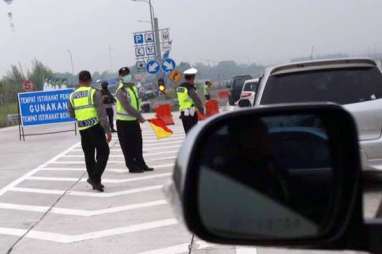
(71, 110)
(124, 100)
(101, 112)
(198, 102)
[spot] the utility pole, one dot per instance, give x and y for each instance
(157, 40)
(110, 59)
(72, 65)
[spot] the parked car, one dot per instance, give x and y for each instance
(248, 93)
(237, 86)
(354, 83)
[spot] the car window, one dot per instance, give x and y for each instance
(250, 87)
(343, 86)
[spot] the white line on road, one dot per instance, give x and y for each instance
(115, 161)
(111, 170)
(80, 212)
(32, 172)
(178, 249)
(121, 156)
(87, 194)
(64, 238)
(201, 245)
(73, 179)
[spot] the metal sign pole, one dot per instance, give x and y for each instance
(19, 117)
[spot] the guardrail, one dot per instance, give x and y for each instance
(12, 119)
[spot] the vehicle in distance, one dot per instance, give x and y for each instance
(237, 86)
(248, 93)
(354, 83)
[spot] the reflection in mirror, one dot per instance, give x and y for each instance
(266, 177)
(243, 103)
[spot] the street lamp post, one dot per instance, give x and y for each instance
(154, 27)
(71, 63)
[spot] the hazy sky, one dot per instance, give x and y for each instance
(263, 31)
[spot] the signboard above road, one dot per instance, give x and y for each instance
(165, 35)
(168, 65)
(141, 65)
(37, 108)
(149, 37)
(175, 76)
(140, 51)
(138, 38)
(153, 67)
(150, 50)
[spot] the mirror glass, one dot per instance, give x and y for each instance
(244, 103)
(268, 177)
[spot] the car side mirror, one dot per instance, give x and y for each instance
(273, 176)
(244, 103)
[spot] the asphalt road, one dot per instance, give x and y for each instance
(47, 207)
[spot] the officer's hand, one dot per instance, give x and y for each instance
(108, 137)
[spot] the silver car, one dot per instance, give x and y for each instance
(354, 83)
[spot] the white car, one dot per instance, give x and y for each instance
(354, 83)
(248, 93)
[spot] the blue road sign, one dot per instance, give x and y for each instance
(37, 108)
(138, 39)
(168, 65)
(153, 67)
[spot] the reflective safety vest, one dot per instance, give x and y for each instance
(132, 92)
(82, 100)
(185, 101)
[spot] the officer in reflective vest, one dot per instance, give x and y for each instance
(189, 101)
(85, 105)
(129, 118)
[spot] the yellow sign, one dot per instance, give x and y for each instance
(175, 76)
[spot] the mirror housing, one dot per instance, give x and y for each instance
(345, 217)
(244, 103)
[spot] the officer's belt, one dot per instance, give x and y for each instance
(87, 123)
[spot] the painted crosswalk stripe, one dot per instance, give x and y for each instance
(116, 161)
(178, 249)
(87, 194)
(111, 170)
(32, 172)
(65, 238)
(81, 212)
(106, 180)
(121, 156)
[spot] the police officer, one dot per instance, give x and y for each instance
(108, 101)
(85, 105)
(128, 123)
(188, 100)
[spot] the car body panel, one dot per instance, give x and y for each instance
(249, 95)
(368, 114)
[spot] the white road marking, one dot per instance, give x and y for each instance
(115, 161)
(111, 170)
(87, 194)
(178, 249)
(121, 155)
(73, 179)
(64, 238)
(80, 212)
(32, 172)
(150, 149)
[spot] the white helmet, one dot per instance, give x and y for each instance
(191, 71)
